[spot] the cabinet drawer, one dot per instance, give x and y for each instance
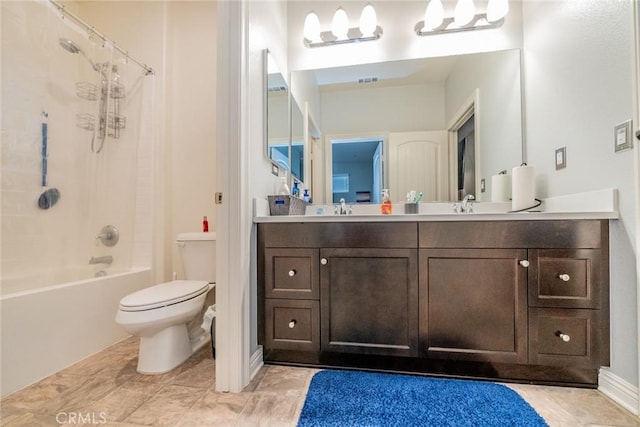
(563, 337)
(291, 273)
(564, 278)
(292, 324)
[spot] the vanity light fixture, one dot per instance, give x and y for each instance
(340, 31)
(465, 17)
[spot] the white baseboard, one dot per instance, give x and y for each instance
(619, 390)
(255, 363)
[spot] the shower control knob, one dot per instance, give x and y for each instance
(323, 261)
(525, 263)
(564, 277)
(292, 324)
(292, 273)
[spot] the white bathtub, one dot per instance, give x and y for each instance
(50, 328)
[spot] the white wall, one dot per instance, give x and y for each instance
(578, 58)
(383, 109)
(191, 117)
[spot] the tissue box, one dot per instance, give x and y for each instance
(286, 205)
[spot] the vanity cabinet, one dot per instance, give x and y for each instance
(344, 287)
(522, 300)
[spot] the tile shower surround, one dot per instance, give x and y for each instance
(105, 389)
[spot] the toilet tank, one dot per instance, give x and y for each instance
(198, 253)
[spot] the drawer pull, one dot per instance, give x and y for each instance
(292, 323)
(564, 277)
(563, 337)
(292, 273)
(524, 263)
(323, 261)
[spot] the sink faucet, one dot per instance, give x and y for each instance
(342, 209)
(108, 259)
(467, 203)
(466, 206)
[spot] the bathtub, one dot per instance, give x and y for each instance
(52, 327)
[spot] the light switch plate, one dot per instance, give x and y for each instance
(561, 158)
(622, 135)
(483, 186)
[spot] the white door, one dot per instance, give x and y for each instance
(419, 161)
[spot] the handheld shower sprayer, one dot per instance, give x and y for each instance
(71, 47)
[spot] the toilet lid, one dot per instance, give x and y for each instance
(163, 295)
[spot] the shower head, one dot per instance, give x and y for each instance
(71, 47)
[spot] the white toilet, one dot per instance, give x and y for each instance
(159, 314)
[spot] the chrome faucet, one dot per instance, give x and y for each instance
(342, 209)
(466, 206)
(108, 259)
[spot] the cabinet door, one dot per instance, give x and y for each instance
(473, 304)
(369, 301)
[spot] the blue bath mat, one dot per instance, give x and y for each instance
(347, 398)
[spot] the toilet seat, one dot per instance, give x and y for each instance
(163, 295)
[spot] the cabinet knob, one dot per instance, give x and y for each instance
(323, 261)
(292, 273)
(524, 263)
(563, 337)
(564, 277)
(292, 324)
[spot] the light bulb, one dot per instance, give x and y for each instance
(312, 27)
(464, 13)
(368, 21)
(340, 24)
(434, 15)
(497, 9)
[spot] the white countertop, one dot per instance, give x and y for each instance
(600, 204)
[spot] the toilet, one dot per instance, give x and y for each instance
(160, 314)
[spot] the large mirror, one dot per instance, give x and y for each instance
(277, 114)
(442, 126)
(297, 141)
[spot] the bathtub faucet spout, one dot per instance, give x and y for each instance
(108, 259)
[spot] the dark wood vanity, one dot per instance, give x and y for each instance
(520, 300)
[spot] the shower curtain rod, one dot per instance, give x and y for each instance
(147, 70)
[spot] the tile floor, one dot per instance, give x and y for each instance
(106, 390)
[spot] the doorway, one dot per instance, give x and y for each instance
(464, 150)
(466, 170)
(355, 170)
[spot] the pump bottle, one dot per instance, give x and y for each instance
(386, 207)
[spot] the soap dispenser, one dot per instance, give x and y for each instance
(386, 207)
(284, 188)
